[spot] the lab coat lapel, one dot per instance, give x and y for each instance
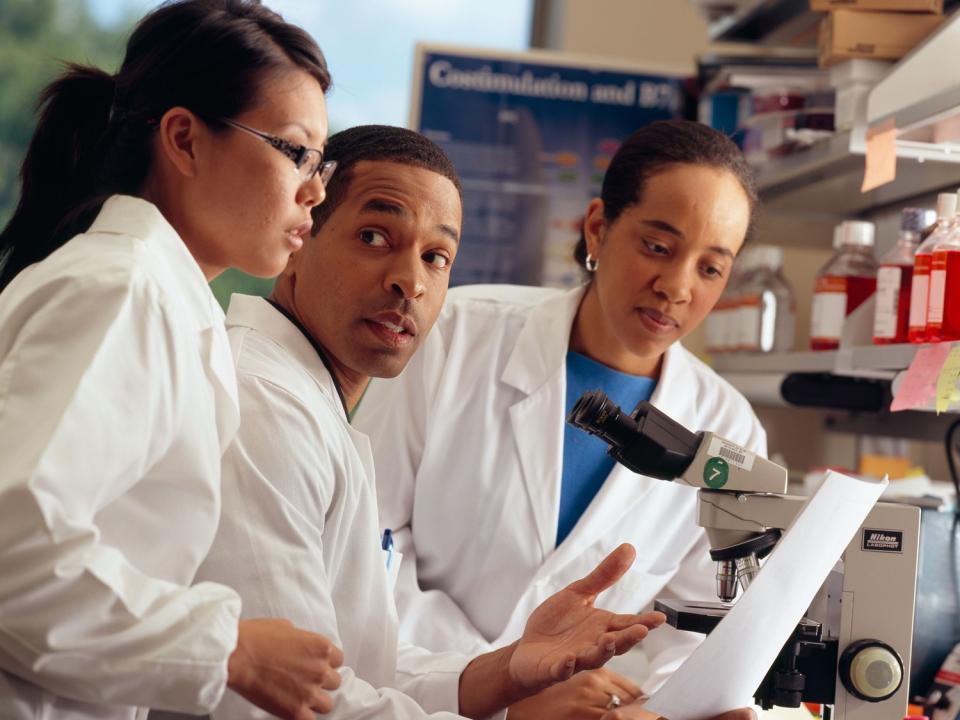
(221, 373)
(623, 491)
(536, 368)
(124, 214)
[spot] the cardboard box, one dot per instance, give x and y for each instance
(875, 35)
(920, 6)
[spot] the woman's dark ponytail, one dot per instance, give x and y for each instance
(95, 131)
(61, 168)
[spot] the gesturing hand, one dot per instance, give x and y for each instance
(566, 633)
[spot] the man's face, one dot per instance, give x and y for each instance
(370, 284)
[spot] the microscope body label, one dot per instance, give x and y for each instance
(876, 540)
(733, 454)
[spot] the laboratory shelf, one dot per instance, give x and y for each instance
(826, 178)
(767, 22)
(780, 363)
(876, 361)
(760, 377)
(920, 97)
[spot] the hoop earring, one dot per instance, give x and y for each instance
(591, 263)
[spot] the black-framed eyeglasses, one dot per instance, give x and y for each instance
(309, 161)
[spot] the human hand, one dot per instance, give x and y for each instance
(585, 696)
(636, 712)
(567, 634)
(284, 670)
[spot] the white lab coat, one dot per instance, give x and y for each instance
(117, 398)
(299, 537)
(468, 445)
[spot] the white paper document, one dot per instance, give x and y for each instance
(725, 671)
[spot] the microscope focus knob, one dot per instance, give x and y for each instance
(871, 670)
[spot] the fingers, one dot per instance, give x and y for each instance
(322, 703)
(329, 679)
(625, 640)
(625, 687)
(597, 655)
(321, 647)
(564, 668)
(604, 575)
(651, 619)
(740, 714)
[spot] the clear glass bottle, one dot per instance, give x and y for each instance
(768, 305)
(843, 284)
(895, 278)
(920, 292)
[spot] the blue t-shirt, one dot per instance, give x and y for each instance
(585, 460)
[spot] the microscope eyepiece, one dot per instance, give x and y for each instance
(600, 416)
(646, 441)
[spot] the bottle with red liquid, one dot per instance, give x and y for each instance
(895, 279)
(843, 284)
(920, 292)
(943, 306)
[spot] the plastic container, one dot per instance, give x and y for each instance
(721, 323)
(895, 279)
(919, 293)
(843, 284)
(745, 306)
(767, 306)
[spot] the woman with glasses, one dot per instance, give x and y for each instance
(117, 386)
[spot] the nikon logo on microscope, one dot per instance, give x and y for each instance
(882, 540)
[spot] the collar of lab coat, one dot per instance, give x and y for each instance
(196, 307)
(541, 347)
(135, 217)
(258, 314)
(542, 344)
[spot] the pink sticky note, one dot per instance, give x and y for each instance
(920, 384)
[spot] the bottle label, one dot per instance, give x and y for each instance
(938, 289)
(918, 301)
(888, 300)
(769, 315)
(749, 323)
(829, 308)
(715, 329)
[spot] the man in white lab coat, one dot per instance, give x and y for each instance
(299, 533)
(471, 445)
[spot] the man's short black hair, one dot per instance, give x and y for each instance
(377, 143)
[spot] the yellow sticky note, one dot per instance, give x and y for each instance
(881, 159)
(947, 381)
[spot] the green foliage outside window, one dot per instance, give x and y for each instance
(36, 38)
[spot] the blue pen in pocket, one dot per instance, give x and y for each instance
(387, 545)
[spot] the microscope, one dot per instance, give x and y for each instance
(851, 651)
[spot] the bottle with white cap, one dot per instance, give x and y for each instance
(895, 278)
(920, 292)
(767, 305)
(843, 284)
